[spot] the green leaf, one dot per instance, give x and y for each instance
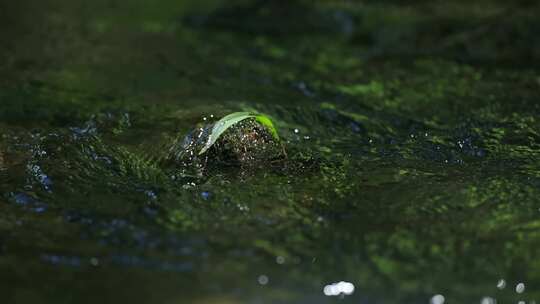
(265, 121)
(228, 121)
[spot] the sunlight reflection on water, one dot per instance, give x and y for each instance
(437, 299)
(336, 289)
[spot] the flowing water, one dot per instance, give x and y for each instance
(412, 132)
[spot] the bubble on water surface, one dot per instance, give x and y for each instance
(242, 207)
(263, 279)
(501, 284)
(488, 300)
(94, 262)
(520, 287)
(437, 299)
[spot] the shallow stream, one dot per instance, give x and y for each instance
(412, 129)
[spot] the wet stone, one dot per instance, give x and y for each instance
(246, 144)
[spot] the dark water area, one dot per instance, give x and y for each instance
(412, 130)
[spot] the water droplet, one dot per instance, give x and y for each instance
(437, 299)
(329, 290)
(94, 262)
(501, 284)
(520, 288)
(263, 280)
(151, 195)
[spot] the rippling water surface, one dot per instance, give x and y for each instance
(412, 133)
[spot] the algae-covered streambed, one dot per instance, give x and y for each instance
(411, 130)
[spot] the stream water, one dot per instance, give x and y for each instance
(412, 130)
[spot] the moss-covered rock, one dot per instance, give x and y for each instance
(246, 144)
